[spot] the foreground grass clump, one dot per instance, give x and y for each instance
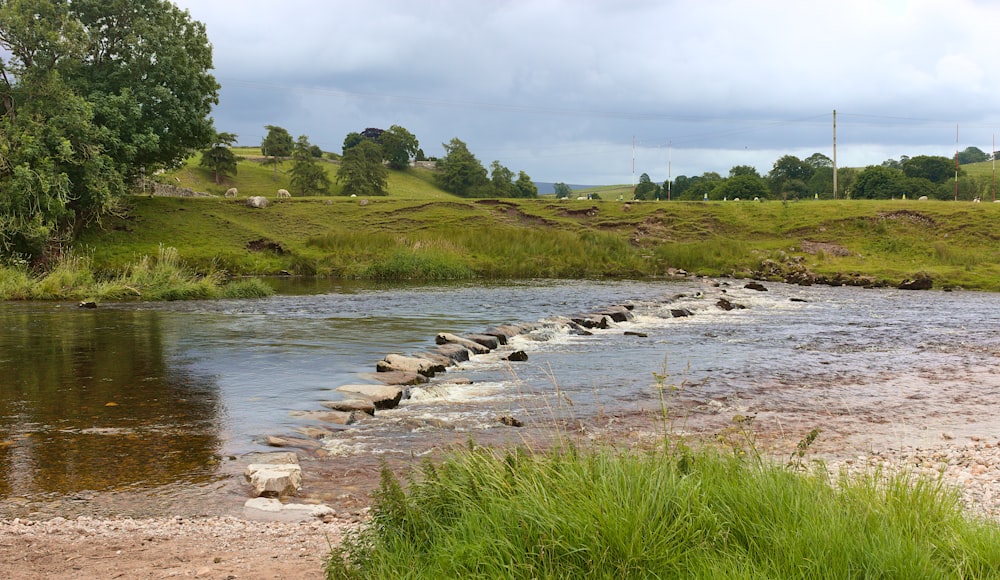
(607, 514)
(164, 277)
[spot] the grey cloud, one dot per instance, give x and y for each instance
(559, 88)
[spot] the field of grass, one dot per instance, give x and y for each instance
(255, 178)
(674, 513)
(409, 235)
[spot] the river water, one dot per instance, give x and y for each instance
(153, 404)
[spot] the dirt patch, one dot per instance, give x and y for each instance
(651, 232)
(513, 214)
(592, 211)
(827, 248)
(265, 245)
(905, 215)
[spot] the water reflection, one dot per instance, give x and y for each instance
(89, 401)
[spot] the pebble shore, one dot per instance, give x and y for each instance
(971, 467)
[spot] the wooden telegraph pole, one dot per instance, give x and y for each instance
(835, 154)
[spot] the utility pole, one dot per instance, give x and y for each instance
(633, 166)
(956, 161)
(670, 151)
(835, 154)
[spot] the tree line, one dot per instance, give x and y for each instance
(366, 159)
(812, 177)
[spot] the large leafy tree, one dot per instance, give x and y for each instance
(697, 188)
(362, 172)
(561, 189)
(525, 186)
(460, 172)
(397, 144)
(790, 175)
(308, 176)
(972, 155)
(93, 95)
(219, 158)
(276, 144)
(502, 180)
(934, 168)
(52, 174)
(737, 170)
(878, 182)
(743, 186)
(817, 160)
(398, 147)
(646, 189)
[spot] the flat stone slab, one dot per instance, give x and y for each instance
(272, 457)
(275, 441)
(314, 432)
(488, 340)
(348, 405)
(455, 352)
(262, 509)
(383, 396)
(448, 338)
(397, 377)
(409, 364)
(333, 417)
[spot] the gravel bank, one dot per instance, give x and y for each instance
(210, 547)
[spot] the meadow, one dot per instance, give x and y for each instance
(416, 238)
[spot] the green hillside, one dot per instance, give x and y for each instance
(254, 178)
(406, 237)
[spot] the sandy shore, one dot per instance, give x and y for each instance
(213, 547)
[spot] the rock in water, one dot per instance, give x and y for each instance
(383, 396)
(274, 480)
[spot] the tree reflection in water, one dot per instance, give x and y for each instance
(90, 401)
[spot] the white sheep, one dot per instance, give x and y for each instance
(283, 193)
(231, 192)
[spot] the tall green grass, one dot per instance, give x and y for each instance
(160, 277)
(478, 250)
(601, 513)
(516, 239)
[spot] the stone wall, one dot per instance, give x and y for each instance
(167, 190)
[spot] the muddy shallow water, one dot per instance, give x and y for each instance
(147, 409)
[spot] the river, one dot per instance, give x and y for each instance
(140, 408)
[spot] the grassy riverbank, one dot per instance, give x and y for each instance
(159, 277)
(427, 239)
(663, 514)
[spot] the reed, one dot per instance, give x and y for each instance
(160, 277)
(15, 283)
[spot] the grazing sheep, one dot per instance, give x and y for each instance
(283, 193)
(231, 192)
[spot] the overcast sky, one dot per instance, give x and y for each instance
(560, 89)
